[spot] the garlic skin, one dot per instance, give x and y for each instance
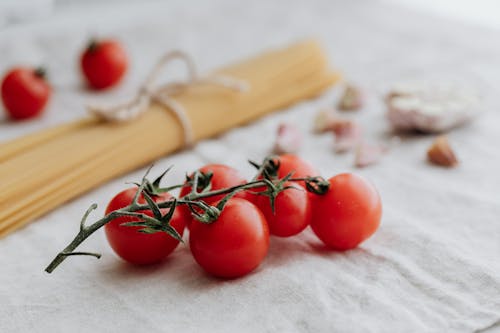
(440, 153)
(369, 154)
(431, 107)
(348, 135)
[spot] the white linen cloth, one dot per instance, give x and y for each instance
(433, 266)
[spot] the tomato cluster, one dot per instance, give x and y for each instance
(238, 241)
(25, 91)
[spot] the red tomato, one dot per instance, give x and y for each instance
(25, 92)
(223, 176)
(104, 63)
(292, 211)
(235, 244)
(300, 168)
(133, 246)
(288, 163)
(348, 213)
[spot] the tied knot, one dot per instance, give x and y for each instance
(151, 92)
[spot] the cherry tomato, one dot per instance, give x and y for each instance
(288, 163)
(104, 63)
(292, 211)
(223, 176)
(133, 246)
(25, 92)
(348, 213)
(235, 244)
(300, 168)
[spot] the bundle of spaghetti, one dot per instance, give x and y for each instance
(43, 170)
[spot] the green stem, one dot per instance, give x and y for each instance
(82, 235)
(197, 196)
(190, 199)
(86, 231)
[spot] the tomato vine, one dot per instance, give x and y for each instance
(266, 177)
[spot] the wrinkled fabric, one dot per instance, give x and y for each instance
(431, 267)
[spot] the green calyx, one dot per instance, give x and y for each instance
(201, 188)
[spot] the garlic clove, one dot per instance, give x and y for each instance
(288, 139)
(368, 154)
(324, 120)
(347, 135)
(440, 153)
(351, 99)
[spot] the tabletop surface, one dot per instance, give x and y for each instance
(432, 266)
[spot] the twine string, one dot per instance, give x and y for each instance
(150, 92)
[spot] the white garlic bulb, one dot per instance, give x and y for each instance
(431, 107)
